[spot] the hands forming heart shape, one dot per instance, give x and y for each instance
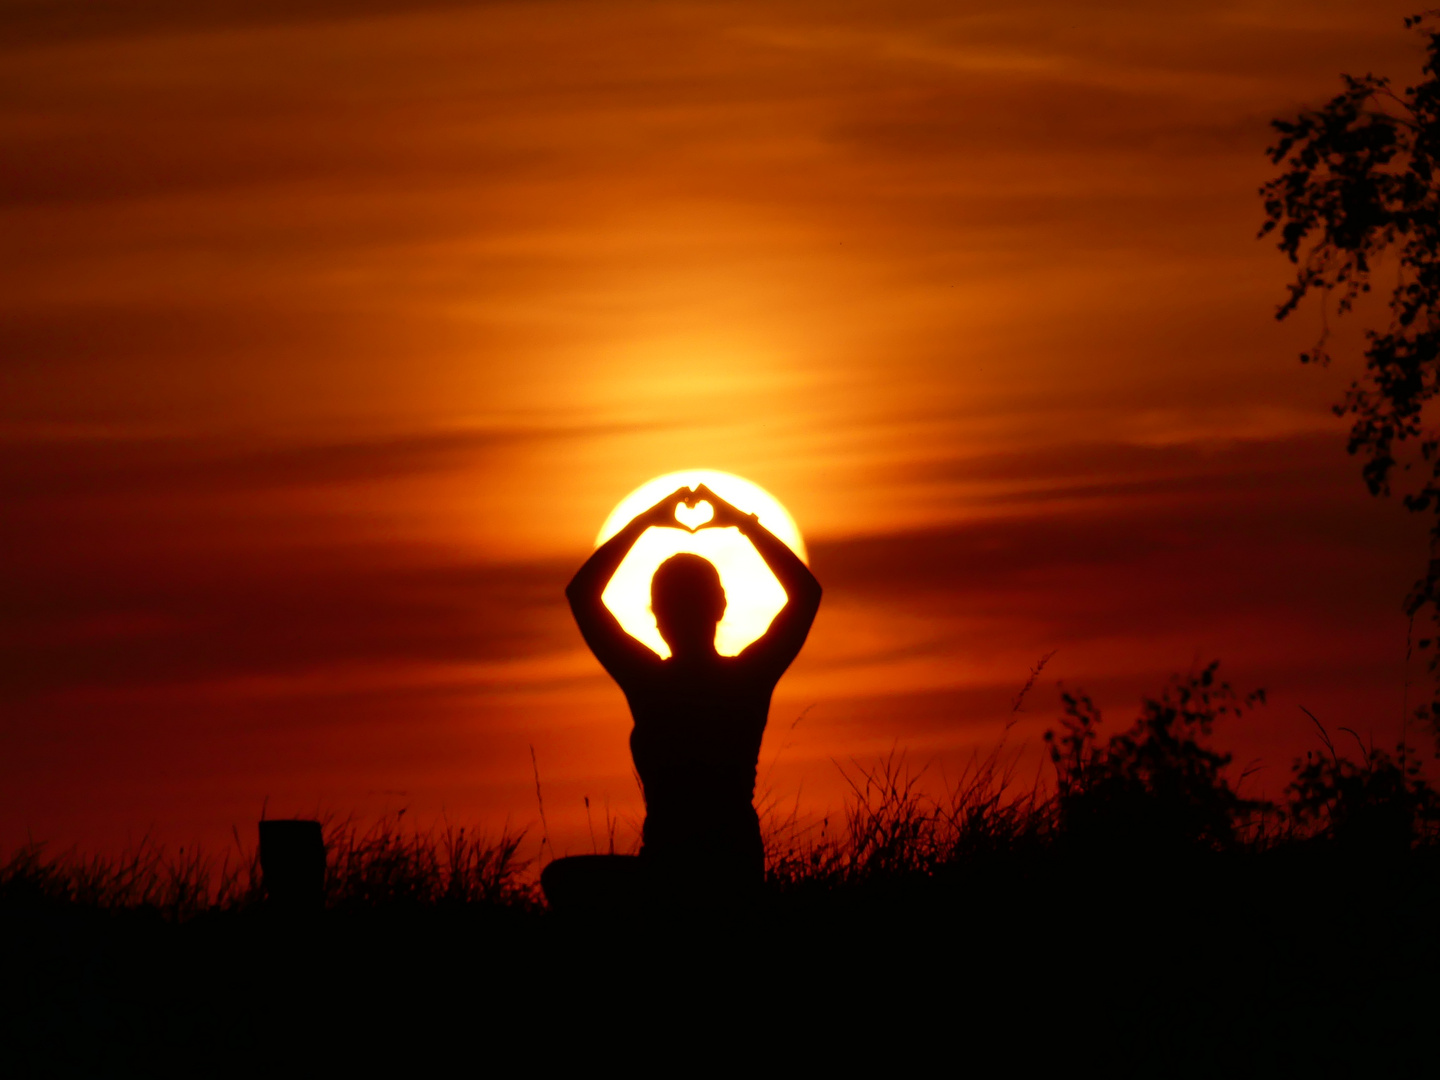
(693, 510)
(692, 517)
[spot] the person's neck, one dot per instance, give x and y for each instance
(699, 656)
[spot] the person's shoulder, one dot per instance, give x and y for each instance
(646, 670)
(753, 667)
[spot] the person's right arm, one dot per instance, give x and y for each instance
(617, 651)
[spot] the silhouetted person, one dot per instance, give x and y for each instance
(699, 716)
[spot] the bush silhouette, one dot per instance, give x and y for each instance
(1380, 805)
(1157, 787)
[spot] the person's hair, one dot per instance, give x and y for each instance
(687, 586)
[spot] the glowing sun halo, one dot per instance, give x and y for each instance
(753, 595)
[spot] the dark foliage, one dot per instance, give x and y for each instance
(1158, 787)
(1380, 805)
(1360, 187)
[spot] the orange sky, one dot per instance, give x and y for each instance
(332, 332)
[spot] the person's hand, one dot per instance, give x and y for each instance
(662, 514)
(726, 515)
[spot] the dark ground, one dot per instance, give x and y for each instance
(1279, 963)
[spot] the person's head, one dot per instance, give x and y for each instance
(689, 602)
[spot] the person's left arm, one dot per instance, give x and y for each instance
(782, 642)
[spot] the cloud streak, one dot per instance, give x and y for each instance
(331, 333)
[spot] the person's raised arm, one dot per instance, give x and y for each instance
(616, 650)
(783, 640)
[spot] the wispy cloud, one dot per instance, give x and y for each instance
(329, 333)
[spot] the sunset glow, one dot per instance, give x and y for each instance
(753, 595)
(332, 332)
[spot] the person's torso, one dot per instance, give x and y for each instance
(698, 730)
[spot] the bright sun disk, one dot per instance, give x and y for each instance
(753, 595)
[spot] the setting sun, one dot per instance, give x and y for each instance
(753, 595)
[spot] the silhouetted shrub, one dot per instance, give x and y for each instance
(1382, 804)
(1156, 787)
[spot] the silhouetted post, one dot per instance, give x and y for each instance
(292, 862)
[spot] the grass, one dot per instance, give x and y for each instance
(892, 828)
(1157, 789)
(379, 866)
(386, 865)
(143, 878)
(1137, 900)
